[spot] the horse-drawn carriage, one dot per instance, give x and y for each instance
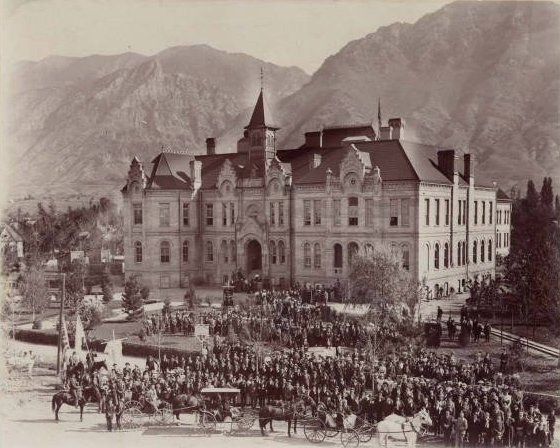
(352, 428)
(219, 403)
(137, 413)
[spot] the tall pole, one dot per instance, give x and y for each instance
(58, 353)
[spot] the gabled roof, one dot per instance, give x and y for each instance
(501, 196)
(212, 164)
(262, 117)
(171, 171)
(12, 233)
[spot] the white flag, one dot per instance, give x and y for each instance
(113, 349)
(79, 338)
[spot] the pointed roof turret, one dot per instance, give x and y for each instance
(262, 117)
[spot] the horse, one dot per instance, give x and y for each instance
(284, 413)
(97, 365)
(186, 403)
(66, 397)
(395, 425)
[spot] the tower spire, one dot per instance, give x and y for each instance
(262, 79)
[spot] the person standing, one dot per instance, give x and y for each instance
(109, 411)
(461, 426)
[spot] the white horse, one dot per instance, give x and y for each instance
(401, 428)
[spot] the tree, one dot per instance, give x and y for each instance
(75, 286)
(132, 303)
(107, 291)
(145, 293)
(378, 278)
(91, 312)
(547, 196)
(34, 290)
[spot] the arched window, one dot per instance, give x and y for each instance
(352, 251)
(317, 255)
(233, 251)
(337, 256)
(482, 254)
(446, 255)
(427, 257)
(164, 251)
(464, 253)
(369, 248)
(436, 256)
(307, 255)
(138, 252)
(406, 257)
(489, 250)
(459, 253)
(224, 251)
(209, 252)
(282, 252)
(474, 251)
(185, 252)
(273, 253)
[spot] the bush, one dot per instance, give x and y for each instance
(145, 293)
(37, 325)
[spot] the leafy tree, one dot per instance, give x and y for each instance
(107, 291)
(91, 312)
(547, 196)
(33, 290)
(145, 293)
(132, 303)
(378, 278)
(75, 286)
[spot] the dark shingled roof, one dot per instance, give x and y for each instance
(170, 171)
(212, 164)
(502, 196)
(262, 117)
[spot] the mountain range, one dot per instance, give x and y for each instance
(476, 76)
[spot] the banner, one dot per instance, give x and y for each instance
(80, 337)
(113, 350)
(65, 344)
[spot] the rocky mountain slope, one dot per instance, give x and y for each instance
(481, 76)
(79, 121)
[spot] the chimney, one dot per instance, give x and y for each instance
(397, 128)
(211, 146)
(314, 139)
(468, 161)
(447, 163)
(196, 173)
(385, 133)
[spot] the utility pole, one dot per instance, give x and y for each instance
(62, 297)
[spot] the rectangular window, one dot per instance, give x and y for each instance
(490, 212)
(317, 205)
(137, 214)
(231, 214)
(272, 215)
(306, 213)
(447, 212)
(352, 211)
(369, 212)
(336, 212)
(394, 216)
(476, 212)
(427, 211)
(185, 252)
(209, 214)
(483, 212)
(464, 212)
(405, 212)
(164, 215)
(280, 213)
(186, 216)
(224, 214)
(437, 212)
(460, 212)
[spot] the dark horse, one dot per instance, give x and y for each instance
(184, 403)
(89, 394)
(285, 412)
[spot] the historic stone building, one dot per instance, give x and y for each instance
(300, 214)
(503, 225)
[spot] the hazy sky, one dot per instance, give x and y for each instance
(286, 32)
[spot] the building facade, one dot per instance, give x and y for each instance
(300, 214)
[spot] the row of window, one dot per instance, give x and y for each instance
(503, 240)
(484, 250)
(313, 212)
(503, 216)
(228, 251)
(277, 214)
(478, 209)
(277, 252)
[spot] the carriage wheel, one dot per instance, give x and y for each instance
(350, 438)
(164, 416)
(133, 404)
(246, 422)
(206, 421)
(330, 432)
(364, 429)
(131, 418)
(314, 431)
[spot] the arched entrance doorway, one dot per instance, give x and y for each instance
(253, 255)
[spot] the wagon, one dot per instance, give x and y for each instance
(137, 413)
(351, 433)
(237, 419)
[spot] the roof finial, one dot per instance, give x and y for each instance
(262, 79)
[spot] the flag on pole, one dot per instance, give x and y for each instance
(113, 350)
(80, 336)
(65, 344)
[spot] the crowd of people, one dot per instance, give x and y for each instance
(472, 402)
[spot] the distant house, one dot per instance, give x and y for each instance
(11, 242)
